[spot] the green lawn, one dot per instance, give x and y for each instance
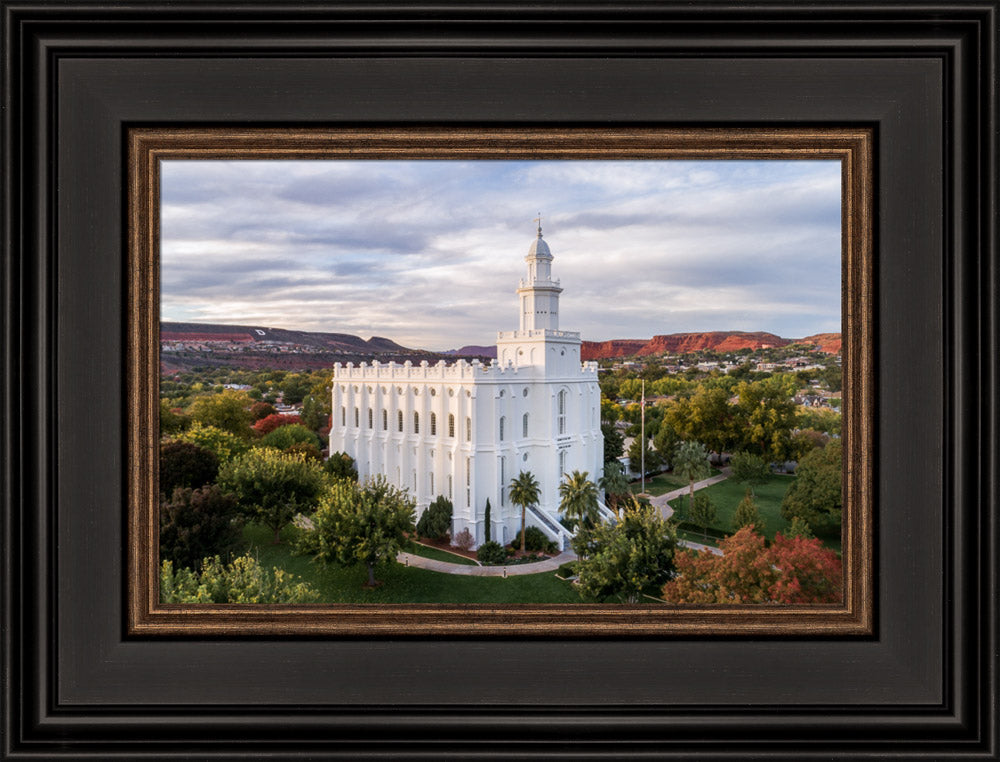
(403, 584)
(662, 483)
(726, 495)
(439, 555)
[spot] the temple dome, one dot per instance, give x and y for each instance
(539, 248)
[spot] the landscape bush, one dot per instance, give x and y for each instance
(491, 553)
(243, 580)
(195, 523)
(464, 540)
(185, 464)
(534, 540)
(274, 421)
(435, 521)
(285, 436)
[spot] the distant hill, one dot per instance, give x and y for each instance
(187, 345)
(719, 341)
(184, 346)
(473, 350)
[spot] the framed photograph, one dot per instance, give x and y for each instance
(104, 103)
(459, 432)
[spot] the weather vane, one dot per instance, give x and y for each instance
(538, 219)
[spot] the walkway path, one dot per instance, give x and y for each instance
(549, 564)
(662, 501)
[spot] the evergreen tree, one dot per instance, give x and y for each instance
(748, 514)
(703, 513)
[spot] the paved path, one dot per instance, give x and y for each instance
(662, 501)
(549, 564)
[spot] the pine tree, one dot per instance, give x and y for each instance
(748, 514)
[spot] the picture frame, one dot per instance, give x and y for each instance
(148, 147)
(77, 683)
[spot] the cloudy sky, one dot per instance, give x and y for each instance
(428, 253)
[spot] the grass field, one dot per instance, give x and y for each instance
(403, 584)
(726, 495)
(662, 483)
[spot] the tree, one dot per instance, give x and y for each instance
(171, 421)
(815, 495)
(706, 416)
(274, 421)
(799, 528)
(792, 570)
(284, 437)
(766, 415)
(242, 580)
(703, 513)
(340, 465)
(524, 491)
(224, 444)
(196, 523)
(665, 440)
(228, 410)
(653, 459)
(185, 464)
(361, 524)
(614, 483)
(272, 486)
(614, 442)
(806, 440)
(578, 499)
(487, 525)
(611, 411)
(691, 463)
(622, 561)
(310, 451)
(435, 521)
(747, 513)
(742, 574)
(750, 469)
(259, 410)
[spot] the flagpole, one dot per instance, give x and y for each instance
(642, 434)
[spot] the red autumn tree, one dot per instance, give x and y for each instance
(792, 570)
(274, 421)
(810, 573)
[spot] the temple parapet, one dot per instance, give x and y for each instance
(460, 370)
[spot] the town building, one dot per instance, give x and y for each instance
(465, 429)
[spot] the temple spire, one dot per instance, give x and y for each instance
(538, 219)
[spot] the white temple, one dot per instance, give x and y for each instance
(465, 430)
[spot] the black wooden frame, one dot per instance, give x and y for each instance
(922, 75)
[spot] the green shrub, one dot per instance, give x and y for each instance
(435, 521)
(284, 437)
(199, 523)
(534, 540)
(340, 465)
(243, 580)
(491, 553)
(185, 464)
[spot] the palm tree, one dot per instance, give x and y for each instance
(614, 482)
(691, 463)
(578, 499)
(524, 492)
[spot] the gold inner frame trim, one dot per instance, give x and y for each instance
(146, 616)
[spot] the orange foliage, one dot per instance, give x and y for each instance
(791, 570)
(275, 421)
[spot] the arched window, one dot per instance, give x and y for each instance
(434, 425)
(524, 425)
(371, 419)
(468, 429)
(416, 423)
(399, 420)
(451, 424)
(450, 487)
(343, 415)
(503, 481)
(385, 420)
(502, 422)
(431, 474)
(357, 418)
(562, 411)
(562, 464)
(468, 482)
